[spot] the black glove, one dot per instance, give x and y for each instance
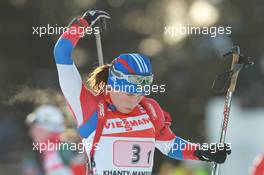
(93, 16)
(213, 153)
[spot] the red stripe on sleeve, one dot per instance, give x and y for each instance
(188, 152)
(75, 32)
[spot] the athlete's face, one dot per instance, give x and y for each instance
(125, 102)
(38, 133)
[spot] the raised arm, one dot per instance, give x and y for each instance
(69, 77)
(81, 101)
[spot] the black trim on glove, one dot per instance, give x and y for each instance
(92, 16)
(213, 153)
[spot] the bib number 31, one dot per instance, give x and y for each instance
(133, 154)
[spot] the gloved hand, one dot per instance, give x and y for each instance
(92, 16)
(215, 153)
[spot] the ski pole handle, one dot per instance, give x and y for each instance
(233, 81)
(234, 50)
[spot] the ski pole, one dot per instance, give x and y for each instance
(238, 63)
(89, 166)
(102, 26)
(99, 48)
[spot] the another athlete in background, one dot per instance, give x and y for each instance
(46, 124)
(46, 127)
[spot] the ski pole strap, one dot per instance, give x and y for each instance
(239, 62)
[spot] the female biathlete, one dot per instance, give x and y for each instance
(120, 128)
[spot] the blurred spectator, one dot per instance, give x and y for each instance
(46, 124)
